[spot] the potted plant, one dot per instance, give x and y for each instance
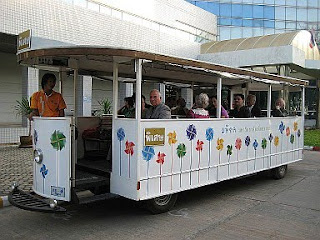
(105, 107)
(23, 108)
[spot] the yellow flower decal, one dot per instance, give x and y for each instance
(276, 141)
(172, 137)
(295, 126)
(220, 144)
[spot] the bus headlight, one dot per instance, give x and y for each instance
(37, 155)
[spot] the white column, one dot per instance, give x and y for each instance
(138, 67)
(186, 93)
(115, 91)
(87, 95)
(303, 108)
(219, 88)
(269, 103)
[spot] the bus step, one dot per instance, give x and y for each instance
(93, 198)
(86, 180)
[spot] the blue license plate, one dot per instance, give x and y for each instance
(58, 191)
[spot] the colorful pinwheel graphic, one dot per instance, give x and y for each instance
(288, 134)
(44, 172)
(58, 140)
(172, 139)
(238, 146)
(120, 135)
(209, 137)
(295, 126)
(199, 148)
(181, 152)
(291, 138)
(147, 154)
(270, 140)
(129, 151)
(191, 134)
(298, 135)
(247, 143)
(219, 147)
(264, 146)
(281, 127)
(229, 153)
(255, 146)
(160, 160)
(276, 144)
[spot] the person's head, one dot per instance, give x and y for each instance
(238, 100)
(280, 103)
(251, 100)
(155, 97)
(214, 101)
(143, 102)
(181, 102)
(171, 102)
(129, 102)
(48, 81)
(202, 100)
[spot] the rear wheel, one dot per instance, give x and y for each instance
(161, 204)
(279, 172)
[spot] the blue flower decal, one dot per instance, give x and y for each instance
(247, 141)
(255, 144)
(209, 134)
(148, 153)
(191, 132)
(44, 171)
(120, 134)
(270, 137)
(281, 127)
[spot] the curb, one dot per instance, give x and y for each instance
(4, 202)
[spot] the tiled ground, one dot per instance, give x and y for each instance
(15, 166)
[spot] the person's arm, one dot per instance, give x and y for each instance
(224, 113)
(62, 106)
(34, 112)
(165, 113)
(61, 113)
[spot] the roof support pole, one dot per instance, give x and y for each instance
(269, 104)
(303, 108)
(192, 89)
(115, 90)
(219, 88)
(75, 117)
(138, 68)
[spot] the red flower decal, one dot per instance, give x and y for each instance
(161, 158)
(129, 148)
(199, 145)
(288, 131)
(238, 143)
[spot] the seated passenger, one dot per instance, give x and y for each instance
(253, 108)
(198, 110)
(128, 109)
(158, 109)
(279, 110)
(213, 109)
(180, 109)
(239, 111)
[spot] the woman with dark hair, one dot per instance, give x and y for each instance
(239, 111)
(128, 109)
(213, 109)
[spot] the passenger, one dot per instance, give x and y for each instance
(213, 109)
(239, 111)
(143, 107)
(279, 110)
(180, 109)
(158, 109)
(198, 111)
(255, 110)
(47, 103)
(128, 109)
(171, 102)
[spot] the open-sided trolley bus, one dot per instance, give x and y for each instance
(153, 159)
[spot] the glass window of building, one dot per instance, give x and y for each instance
(268, 1)
(258, 23)
(236, 10)
(302, 3)
(291, 25)
(247, 32)
(291, 3)
(312, 15)
(224, 33)
(268, 31)
(302, 14)
(268, 12)
(214, 8)
(291, 14)
(257, 11)
(280, 2)
(225, 10)
(302, 25)
(225, 21)
(247, 1)
(247, 11)
(312, 3)
(236, 22)
(280, 25)
(257, 32)
(235, 32)
(247, 23)
(280, 13)
(268, 24)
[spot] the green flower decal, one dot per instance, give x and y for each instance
(292, 138)
(264, 143)
(58, 140)
(229, 150)
(181, 150)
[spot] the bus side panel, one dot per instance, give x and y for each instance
(124, 158)
(51, 177)
(202, 152)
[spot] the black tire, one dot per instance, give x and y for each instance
(161, 204)
(279, 172)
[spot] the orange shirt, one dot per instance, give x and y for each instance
(48, 106)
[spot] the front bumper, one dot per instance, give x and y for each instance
(30, 202)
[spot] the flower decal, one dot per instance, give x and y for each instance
(129, 148)
(270, 137)
(299, 133)
(247, 141)
(264, 143)
(35, 137)
(191, 132)
(172, 137)
(220, 142)
(292, 139)
(160, 159)
(199, 146)
(276, 141)
(238, 143)
(58, 140)
(181, 150)
(281, 127)
(295, 126)
(287, 131)
(43, 171)
(148, 153)
(255, 144)
(229, 150)
(209, 134)
(120, 134)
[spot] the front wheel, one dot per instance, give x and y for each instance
(279, 172)
(161, 204)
